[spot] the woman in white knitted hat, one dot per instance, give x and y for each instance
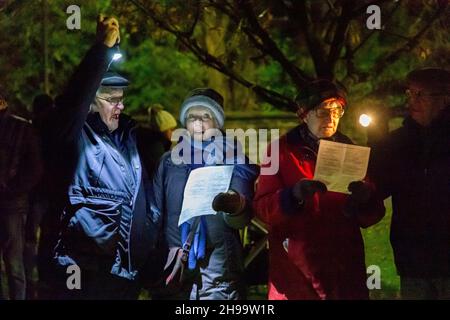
(215, 259)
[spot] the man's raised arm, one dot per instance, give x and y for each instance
(72, 107)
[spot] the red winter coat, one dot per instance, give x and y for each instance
(325, 251)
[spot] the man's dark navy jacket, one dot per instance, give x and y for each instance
(106, 224)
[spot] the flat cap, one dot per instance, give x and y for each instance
(115, 80)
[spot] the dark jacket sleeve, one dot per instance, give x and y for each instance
(30, 166)
(380, 169)
(273, 202)
(157, 203)
(72, 107)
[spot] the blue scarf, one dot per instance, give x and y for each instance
(198, 245)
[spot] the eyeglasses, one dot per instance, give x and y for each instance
(336, 112)
(417, 94)
(114, 101)
(204, 118)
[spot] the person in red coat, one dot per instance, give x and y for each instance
(316, 250)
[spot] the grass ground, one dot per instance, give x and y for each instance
(379, 253)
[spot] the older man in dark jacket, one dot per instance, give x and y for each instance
(106, 227)
(413, 166)
(20, 169)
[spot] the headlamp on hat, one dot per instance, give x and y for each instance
(117, 54)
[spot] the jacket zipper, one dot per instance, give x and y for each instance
(132, 201)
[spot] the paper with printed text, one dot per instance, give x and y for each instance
(338, 164)
(202, 186)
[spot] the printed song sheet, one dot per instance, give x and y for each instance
(338, 164)
(202, 186)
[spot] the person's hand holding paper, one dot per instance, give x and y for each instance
(361, 193)
(203, 185)
(229, 202)
(306, 188)
(339, 164)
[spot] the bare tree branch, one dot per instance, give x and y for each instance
(226, 9)
(191, 29)
(351, 69)
(204, 56)
(332, 9)
(388, 18)
(297, 76)
(243, 15)
(410, 44)
(299, 14)
(394, 34)
(262, 41)
(339, 35)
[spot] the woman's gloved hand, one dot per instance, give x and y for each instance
(229, 202)
(306, 188)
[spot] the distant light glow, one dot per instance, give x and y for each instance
(365, 120)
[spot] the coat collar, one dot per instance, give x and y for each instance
(301, 136)
(442, 121)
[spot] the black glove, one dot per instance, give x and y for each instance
(4, 189)
(306, 188)
(229, 202)
(361, 192)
